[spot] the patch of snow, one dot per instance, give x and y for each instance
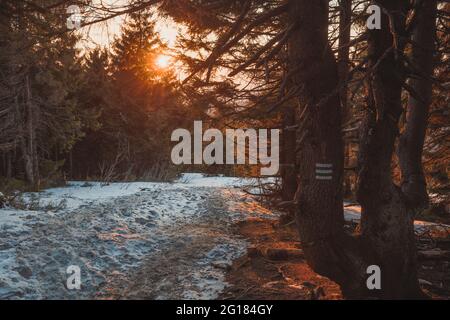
(110, 230)
(201, 180)
(353, 214)
(77, 193)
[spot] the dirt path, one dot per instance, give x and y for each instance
(192, 262)
(274, 267)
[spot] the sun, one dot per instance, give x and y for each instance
(163, 61)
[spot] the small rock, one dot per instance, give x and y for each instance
(141, 221)
(24, 271)
(153, 213)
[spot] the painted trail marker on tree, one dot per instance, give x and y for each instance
(324, 171)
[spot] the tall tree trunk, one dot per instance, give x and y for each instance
(387, 224)
(387, 238)
(24, 119)
(30, 131)
(412, 140)
(27, 159)
(345, 20)
(319, 214)
(289, 181)
(8, 165)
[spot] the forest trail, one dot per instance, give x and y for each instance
(179, 240)
(197, 252)
(139, 240)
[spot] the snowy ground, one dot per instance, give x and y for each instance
(131, 240)
(352, 213)
(178, 234)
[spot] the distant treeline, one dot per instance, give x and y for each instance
(101, 115)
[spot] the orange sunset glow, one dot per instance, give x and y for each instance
(163, 61)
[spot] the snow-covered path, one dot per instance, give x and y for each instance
(130, 240)
(137, 240)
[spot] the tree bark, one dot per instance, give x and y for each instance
(8, 165)
(345, 20)
(386, 223)
(319, 213)
(412, 140)
(387, 237)
(30, 134)
(289, 181)
(27, 160)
